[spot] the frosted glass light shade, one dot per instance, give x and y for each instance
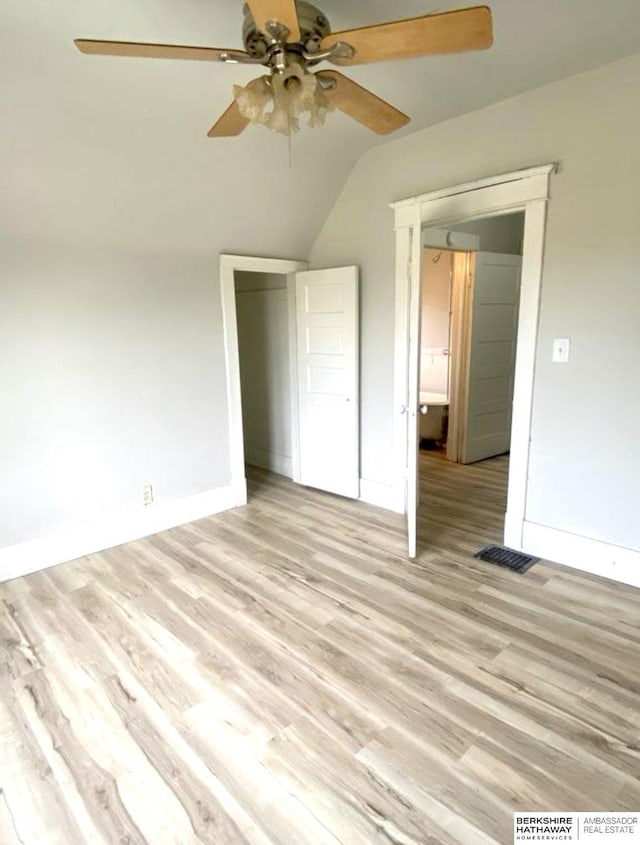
(279, 101)
(253, 98)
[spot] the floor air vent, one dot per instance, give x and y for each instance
(507, 557)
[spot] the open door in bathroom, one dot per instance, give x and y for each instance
(490, 363)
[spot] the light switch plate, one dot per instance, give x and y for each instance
(560, 350)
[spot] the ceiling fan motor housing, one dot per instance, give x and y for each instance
(314, 26)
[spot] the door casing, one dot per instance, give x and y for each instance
(228, 265)
(522, 190)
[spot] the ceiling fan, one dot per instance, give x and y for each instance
(290, 38)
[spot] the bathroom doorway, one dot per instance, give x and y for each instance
(504, 194)
(469, 323)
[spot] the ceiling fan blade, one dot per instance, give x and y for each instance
(362, 105)
(449, 32)
(230, 123)
(282, 11)
(153, 51)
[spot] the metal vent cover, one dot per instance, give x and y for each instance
(502, 556)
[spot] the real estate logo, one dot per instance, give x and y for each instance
(597, 828)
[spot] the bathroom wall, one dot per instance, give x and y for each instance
(434, 336)
(263, 341)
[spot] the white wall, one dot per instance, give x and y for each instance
(263, 341)
(585, 463)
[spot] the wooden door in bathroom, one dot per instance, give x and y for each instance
(492, 334)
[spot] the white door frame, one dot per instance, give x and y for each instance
(522, 190)
(228, 265)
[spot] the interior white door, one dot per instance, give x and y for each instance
(328, 379)
(491, 355)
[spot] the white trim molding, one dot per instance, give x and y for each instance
(604, 559)
(109, 530)
(537, 178)
(522, 190)
(228, 265)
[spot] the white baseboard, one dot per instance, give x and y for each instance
(109, 530)
(594, 556)
(382, 495)
(239, 488)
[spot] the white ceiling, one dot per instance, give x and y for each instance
(113, 152)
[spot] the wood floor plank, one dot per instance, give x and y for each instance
(8, 832)
(346, 797)
(439, 786)
(211, 815)
(282, 674)
(35, 806)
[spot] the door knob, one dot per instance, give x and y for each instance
(423, 409)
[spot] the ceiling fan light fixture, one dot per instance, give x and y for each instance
(280, 101)
(252, 99)
(322, 105)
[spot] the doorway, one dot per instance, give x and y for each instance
(291, 343)
(229, 266)
(523, 190)
(469, 322)
(266, 350)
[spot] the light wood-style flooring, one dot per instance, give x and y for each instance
(282, 674)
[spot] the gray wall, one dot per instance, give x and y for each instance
(497, 234)
(585, 459)
(112, 377)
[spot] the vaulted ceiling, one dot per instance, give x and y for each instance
(113, 152)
